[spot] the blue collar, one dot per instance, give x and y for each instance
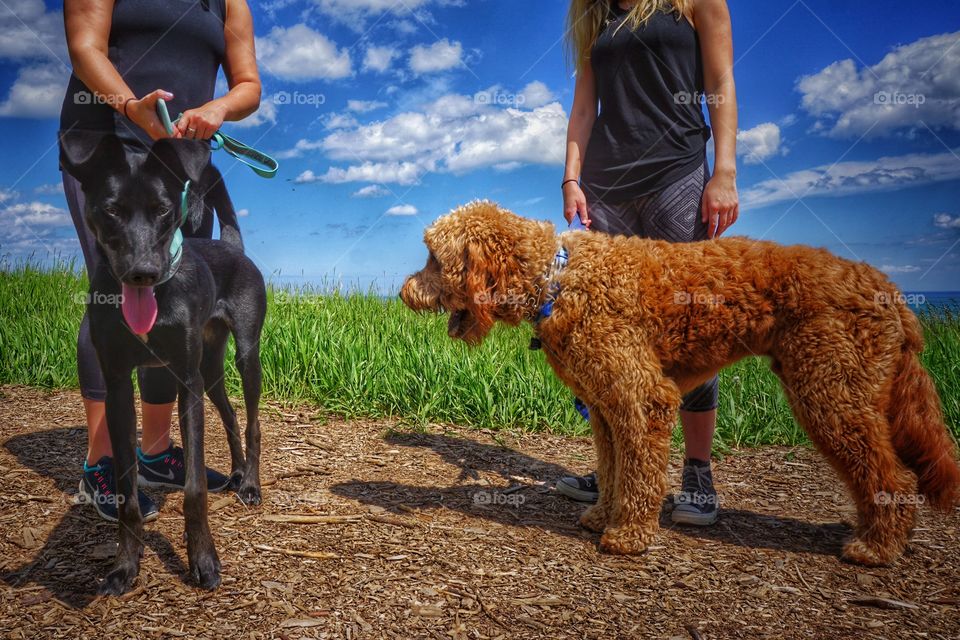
(551, 285)
(176, 245)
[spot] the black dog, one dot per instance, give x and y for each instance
(178, 306)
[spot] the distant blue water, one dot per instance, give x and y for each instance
(926, 300)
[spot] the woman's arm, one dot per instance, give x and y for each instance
(720, 201)
(87, 24)
(240, 67)
(582, 116)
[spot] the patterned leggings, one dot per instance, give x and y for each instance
(671, 214)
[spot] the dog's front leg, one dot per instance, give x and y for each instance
(122, 426)
(597, 517)
(201, 553)
(641, 415)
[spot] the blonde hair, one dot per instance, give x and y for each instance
(586, 18)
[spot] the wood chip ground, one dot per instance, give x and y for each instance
(371, 530)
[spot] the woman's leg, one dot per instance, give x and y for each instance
(92, 387)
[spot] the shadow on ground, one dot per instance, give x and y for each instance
(77, 552)
(544, 508)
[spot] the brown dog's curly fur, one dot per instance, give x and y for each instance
(637, 323)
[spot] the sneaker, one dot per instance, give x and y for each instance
(580, 488)
(98, 487)
(166, 469)
(697, 503)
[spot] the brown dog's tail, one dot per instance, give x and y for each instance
(918, 430)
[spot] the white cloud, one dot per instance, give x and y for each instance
(403, 210)
(29, 32)
(243, 213)
(267, 112)
(350, 11)
(440, 56)
(37, 92)
(946, 221)
(53, 188)
(34, 215)
(364, 106)
(405, 173)
(759, 143)
(846, 178)
(371, 191)
(299, 53)
(898, 269)
(536, 94)
(454, 134)
(7, 194)
(306, 177)
(379, 59)
(915, 82)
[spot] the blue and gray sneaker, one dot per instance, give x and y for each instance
(698, 502)
(98, 487)
(166, 469)
(580, 488)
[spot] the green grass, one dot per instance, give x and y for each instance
(362, 356)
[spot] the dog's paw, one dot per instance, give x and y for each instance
(626, 540)
(205, 570)
(869, 554)
(118, 581)
(595, 518)
(249, 495)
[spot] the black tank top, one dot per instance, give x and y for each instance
(176, 45)
(650, 131)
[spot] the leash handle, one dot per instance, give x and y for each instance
(262, 164)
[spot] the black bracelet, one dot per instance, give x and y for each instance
(564, 183)
(125, 103)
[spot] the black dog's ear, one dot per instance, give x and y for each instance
(87, 155)
(185, 159)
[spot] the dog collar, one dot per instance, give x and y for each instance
(176, 245)
(550, 284)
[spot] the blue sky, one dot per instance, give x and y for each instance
(388, 113)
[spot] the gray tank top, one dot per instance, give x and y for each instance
(176, 45)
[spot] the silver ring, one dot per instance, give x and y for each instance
(191, 130)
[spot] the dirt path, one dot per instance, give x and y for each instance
(453, 534)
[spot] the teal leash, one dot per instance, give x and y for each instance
(262, 164)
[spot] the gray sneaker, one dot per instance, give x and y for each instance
(697, 503)
(580, 488)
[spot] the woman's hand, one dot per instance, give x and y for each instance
(143, 113)
(575, 202)
(201, 123)
(721, 204)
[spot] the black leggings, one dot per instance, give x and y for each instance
(157, 384)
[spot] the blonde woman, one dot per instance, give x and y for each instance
(636, 161)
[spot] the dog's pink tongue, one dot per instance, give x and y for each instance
(139, 308)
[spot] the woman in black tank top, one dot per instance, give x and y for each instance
(638, 167)
(126, 55)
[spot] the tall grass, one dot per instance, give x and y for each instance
(362, 356)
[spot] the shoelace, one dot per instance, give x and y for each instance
(699, 475)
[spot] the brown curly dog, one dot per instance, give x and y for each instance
(636, 323)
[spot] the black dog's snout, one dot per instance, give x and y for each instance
(144, 276)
